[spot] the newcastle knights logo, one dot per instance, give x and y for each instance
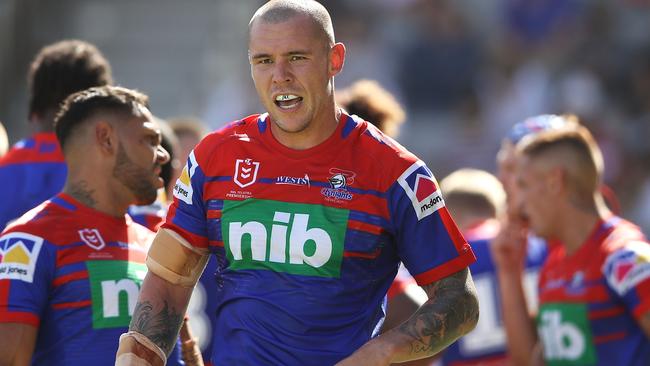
(92, 238)
(245, 172)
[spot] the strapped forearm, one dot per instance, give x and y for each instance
(136, 349)
(160, 311)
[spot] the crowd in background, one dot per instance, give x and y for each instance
(465, 70)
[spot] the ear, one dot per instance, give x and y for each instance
(105, 137)
(337, 59)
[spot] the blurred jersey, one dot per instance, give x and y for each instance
(75, 273)
(486, 344)
(31, 172)
(308, 242)
(591, 300)
(150, 216)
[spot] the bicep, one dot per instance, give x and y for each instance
(17, 346)
(455, 295)
(458, 282)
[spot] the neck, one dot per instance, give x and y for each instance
(319, 130)
(94, 191)
(578, 224)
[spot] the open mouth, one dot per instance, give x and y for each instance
(287, 101)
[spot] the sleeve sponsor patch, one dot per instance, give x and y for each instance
(18, 256)
(183, 188)
(422, 189)
(626, 268)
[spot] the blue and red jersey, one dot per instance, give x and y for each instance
(75, 274)
(486, 344)
(308, 242)
(32, 171)
(591, 300)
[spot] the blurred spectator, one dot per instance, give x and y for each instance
(439, 69)
(34, 169)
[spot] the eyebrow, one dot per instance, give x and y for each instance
(290, 53)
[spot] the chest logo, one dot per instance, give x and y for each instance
(339, 181)
(566, 334)
(92, 238)
(294, 238)
(245, 172)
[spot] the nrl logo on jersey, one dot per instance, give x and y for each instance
(183, 187)
(245, 172)
(92, 238)
(422, 189)
(339, 181)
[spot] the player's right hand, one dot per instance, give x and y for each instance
(508, 248)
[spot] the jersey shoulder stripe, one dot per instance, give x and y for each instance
(40, 148)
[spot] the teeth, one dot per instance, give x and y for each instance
(286, 97)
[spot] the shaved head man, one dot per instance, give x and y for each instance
(309, 212)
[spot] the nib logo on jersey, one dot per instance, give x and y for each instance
(300, 239)
(18, 256)
(114, 287)
(183, 188)
(566, 334)
(339, 180)
(420, 186)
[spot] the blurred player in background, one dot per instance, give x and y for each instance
(153, 215)
(477, 201)
(309, 212)
(370, 101)
(72, 267)
(594, 287)
(34, 169)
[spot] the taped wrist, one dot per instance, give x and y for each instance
(173, 259)
(136, 349)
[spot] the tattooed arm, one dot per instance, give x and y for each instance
(160, 311)
(450, 312)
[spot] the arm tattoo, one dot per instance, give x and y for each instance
(81, 192)
(161, 328)
(450, 312)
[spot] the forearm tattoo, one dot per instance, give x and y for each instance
(161, 328)
(450, 312)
